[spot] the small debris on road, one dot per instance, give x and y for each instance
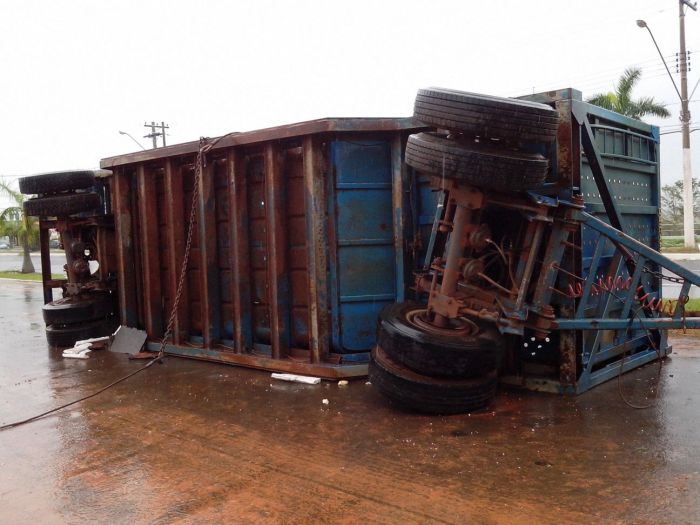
(297, 378)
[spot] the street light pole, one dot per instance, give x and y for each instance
(132, 138)
(688, 204)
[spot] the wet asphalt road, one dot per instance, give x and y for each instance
(11, 260)
(196, 442)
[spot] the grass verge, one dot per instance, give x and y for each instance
(28, 276)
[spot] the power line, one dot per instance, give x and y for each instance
(155, 134)
(603, 78)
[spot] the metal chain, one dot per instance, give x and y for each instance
(205, 145)
(198, 167)
(660, 275)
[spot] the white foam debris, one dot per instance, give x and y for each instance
(297, 378)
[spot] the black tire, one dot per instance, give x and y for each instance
(65, 336)
(62, 205)
(476, 163)
(466, 356)
(428, 394)
(76, 310)
(57, 181)
(486, 116)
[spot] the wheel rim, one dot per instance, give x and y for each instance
(460, 327)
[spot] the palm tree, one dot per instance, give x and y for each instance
(15, 223)
(621, 99)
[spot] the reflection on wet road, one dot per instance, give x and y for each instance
(207, 443)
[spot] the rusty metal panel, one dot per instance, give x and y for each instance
(240, 224)
(258, 249)
(260, 273)
(208, 269)
(193, 281)
(223, 247)
(166, 298)
(278, 287)
(126, 269)
(298, 265)
(150, 252)
(315, 172)
(175, 213)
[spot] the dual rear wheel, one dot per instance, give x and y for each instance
(63, 194)
(491, 143)
(75, 318)
(441, 371)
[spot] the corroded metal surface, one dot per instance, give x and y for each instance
(297, 245)
(326, 125)
(125, 264)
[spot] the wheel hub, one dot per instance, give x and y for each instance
(460, 327)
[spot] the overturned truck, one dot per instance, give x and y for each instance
(484, 240)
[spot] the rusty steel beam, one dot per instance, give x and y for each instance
(533, 246)
(317, 246)
(278, 293)
(126, 274)
(102, 243)
(240, 254)
(209, 270)
(568, 147)
(451, 273)
(175, 238)
(150, 254)
(44, 236)
(568, 168)
(325, 125)
(323, 370)
(399, 215)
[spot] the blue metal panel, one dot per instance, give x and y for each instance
(362, 264)
(629, 155)
(425, 207)
(630, 160)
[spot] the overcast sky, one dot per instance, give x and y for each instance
(77, 72)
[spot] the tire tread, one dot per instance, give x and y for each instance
(486, 116)
(56, 182)
(62, 205)
(482, 165)
(426, 394)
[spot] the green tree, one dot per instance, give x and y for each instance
(14, 223)
(672, 204)
(621, 100)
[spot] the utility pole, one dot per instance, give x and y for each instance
(688, 204)
(155, 134)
